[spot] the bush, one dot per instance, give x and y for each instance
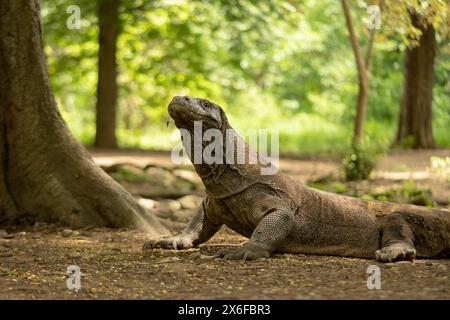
(359, 162)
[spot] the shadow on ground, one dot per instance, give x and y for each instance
(34, 260)
(34, 263)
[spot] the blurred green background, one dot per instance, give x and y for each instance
(285, 65)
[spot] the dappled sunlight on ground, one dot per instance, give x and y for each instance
(34, 259)
(113, 266)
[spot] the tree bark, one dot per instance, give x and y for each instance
(415, 119)
(44, 171)
(107, 91)
(363, 68)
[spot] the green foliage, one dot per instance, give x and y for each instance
(275, 64)
(408, 193)
(336, 187)
(339, 188)
(124, 174)
(359, 161)
(398, 23)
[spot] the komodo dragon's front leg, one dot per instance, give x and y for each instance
(200, 229)
(270, 232)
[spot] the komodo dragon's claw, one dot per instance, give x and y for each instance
(395, 252)
(249, 251)
(176, 243)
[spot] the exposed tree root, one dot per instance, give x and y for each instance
(8, 208)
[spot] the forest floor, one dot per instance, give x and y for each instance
(34, 259)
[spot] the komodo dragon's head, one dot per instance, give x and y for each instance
(186, 110)
(194, 116)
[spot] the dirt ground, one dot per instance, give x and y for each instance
(34, 259)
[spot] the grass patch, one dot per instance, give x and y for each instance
(409, 193)
(123, 174)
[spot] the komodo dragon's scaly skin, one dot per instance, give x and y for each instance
(280, 215)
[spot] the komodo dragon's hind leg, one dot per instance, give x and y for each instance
(397, 239)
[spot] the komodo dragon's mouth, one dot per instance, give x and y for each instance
(185, 110)
(185, 118)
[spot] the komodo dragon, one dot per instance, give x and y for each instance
(280, 215)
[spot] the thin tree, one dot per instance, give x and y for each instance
(363, 66)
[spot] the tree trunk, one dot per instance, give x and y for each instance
(45, 172)
(361, 110)
(108, 12)
(363, 68)
(415, 120)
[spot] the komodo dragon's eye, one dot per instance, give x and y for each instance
(204, 104)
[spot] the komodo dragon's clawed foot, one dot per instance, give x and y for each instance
(176, 243)
(249, 251)
(396, 252)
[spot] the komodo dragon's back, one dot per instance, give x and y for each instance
(348, 226)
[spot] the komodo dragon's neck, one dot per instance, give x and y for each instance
(228, 178)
